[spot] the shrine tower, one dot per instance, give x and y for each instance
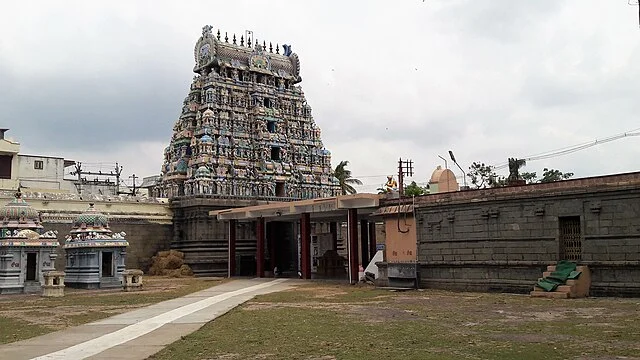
(245, 136)
(246, 130)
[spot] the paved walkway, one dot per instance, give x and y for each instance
(143, 332)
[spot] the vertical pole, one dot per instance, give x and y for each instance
(232, 248)
(333, 229)
(400, 178)
(260, 247)
(305, 236)
(352, 226)
(364, 242)
(271, 244)
(372, 240)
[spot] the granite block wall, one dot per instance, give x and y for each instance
(503, 241)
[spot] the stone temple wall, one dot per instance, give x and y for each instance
(145, 240)
(502, 239)
(147, 221)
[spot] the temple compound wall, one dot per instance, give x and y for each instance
(502, 239)
(147, 222)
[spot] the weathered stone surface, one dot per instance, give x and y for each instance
(501, 239)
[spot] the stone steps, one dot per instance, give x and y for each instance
(573, 288)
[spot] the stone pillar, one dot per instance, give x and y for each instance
(333, 228)
(232, 248)
(305, 238)
(352, 230)
(364, 242)
(372, 240)
(271, 245)
(260, 247)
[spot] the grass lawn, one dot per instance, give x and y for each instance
(26, 316)
(321, 321)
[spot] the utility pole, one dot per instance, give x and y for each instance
(404, 168)
(117, 175)
(134, 183)
(99, 179)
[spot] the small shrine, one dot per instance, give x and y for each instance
(26, 250)
(95, 255)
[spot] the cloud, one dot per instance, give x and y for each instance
(104, 82)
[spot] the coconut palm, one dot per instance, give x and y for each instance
(344, 178)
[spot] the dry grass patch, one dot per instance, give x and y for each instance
(25, 316)
(322, 321)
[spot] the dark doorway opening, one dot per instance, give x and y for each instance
(570, 238)
(275, 153)
(107, 264)
(271, 126)
(282, 249)
(32, 264)
(280, 189)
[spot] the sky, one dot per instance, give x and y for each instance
(103, 81)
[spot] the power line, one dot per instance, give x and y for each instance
(574, 148)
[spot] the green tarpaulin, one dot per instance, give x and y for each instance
(564, 270)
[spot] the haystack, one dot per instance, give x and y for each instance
(169, 263)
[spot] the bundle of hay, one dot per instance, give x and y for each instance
(169, 263)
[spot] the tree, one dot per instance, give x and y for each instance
(551, 175)
(344, 178)
(483, 176)
(529, 177)
(414, 189)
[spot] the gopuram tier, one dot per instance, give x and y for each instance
(246, 130)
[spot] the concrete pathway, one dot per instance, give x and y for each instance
(141, 333)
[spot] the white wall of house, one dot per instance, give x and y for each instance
(42, 173)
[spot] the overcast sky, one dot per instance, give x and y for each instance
(103, 81)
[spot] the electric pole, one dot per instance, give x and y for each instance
(134, 177)
(404, 168)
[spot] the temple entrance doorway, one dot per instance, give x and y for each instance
(32, 264)
(107, 264)
(282, 249)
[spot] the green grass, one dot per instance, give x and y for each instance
(346, 322)
(26, 316)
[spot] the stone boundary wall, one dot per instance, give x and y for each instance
(502, 239)
(148, 222)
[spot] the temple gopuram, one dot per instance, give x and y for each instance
(245, 135)
(246, 129)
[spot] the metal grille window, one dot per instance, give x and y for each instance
(570, 238)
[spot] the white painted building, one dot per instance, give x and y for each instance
(36, 173)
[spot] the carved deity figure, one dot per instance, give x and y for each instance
(391, 184)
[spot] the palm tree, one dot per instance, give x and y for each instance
(344, 177)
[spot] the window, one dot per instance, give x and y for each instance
(280, 189)
(5, 166)
(271, 126)
(275, 153)
(267, 103)
(570, 238)
(38, 165)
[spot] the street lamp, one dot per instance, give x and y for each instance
(464, 176)
(445, 162)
